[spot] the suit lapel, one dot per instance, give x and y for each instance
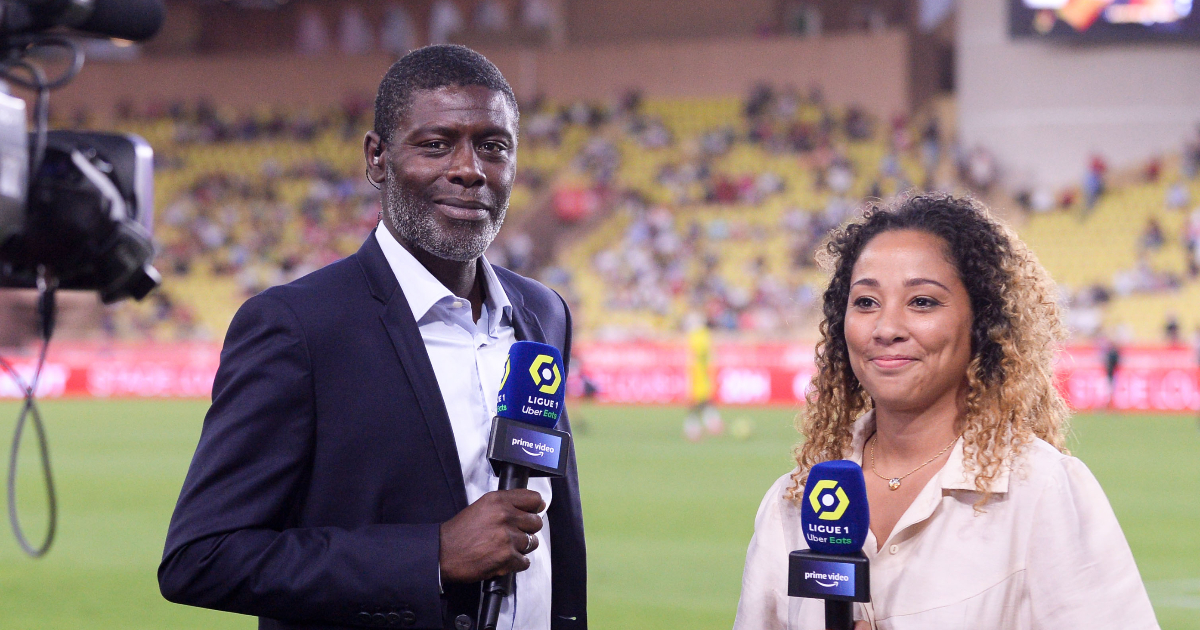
(401, 326)
(526, 326)
(414, 360)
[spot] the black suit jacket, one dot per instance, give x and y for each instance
(327, 462)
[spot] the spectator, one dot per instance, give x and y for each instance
(758, 101)
(1152, 235)
(858, 124)
(931, 144)
(1154, 167)
(981, 169)
(1171, 330)
(1192, 243)
(1178, 196)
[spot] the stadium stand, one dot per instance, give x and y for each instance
(664, 207)
(1128, 265)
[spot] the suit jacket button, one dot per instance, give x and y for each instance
(408, 618)
(364, 618)
(462, 622)
(393, 619)
(379, 619)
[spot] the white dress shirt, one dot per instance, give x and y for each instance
(468, 359)
(1046, 552)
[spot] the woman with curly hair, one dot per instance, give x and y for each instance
(935, 373)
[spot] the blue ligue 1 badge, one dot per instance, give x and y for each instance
(533, 388)
(834, 512)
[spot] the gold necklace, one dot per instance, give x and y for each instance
(894, 482)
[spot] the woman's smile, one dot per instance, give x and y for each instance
(892, 361)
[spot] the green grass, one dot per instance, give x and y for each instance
(667, 521)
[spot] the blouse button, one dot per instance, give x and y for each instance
(893, 549)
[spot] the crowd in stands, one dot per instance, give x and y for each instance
(247, 200)
(718, 209)
(709, 206)
(729, 220)
(1125, 247)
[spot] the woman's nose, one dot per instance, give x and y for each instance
(889, 327)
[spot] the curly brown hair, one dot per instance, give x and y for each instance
(1015, 332)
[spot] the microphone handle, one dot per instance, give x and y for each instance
(839, 615)
(496, 589)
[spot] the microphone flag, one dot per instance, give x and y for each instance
(532, 393)
(835, 518)
(834, 512)
(533, 387)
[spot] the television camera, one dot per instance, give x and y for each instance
(76, 207)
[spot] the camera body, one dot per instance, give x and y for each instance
(85, 217)
(75, 207)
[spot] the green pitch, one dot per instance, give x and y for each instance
(667, 521)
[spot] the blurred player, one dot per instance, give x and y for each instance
(703, 415)
(1110, 355)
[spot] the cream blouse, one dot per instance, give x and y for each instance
(1046, 552)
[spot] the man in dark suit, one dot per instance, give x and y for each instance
(340, 479)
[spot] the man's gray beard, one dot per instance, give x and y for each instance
(422, 230)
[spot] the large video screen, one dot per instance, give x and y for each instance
(1104, 19)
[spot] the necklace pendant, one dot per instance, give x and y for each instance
(894, 483)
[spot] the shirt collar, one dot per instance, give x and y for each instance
(423, 290)
(496, 299)
(952, 476)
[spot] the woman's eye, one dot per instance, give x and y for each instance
(864, 302)
(924, 302)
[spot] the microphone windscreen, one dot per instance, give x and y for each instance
(534, 384)
(834, 513)
(135, 20)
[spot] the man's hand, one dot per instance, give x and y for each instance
(489, 537)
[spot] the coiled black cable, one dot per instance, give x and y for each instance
(30, 413)
(15, 58)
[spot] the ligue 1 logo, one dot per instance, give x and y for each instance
(542, 370)
(823, 502)
(834, 512)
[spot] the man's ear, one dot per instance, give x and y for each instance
(373, 153)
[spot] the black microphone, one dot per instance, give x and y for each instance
(523, 442)
(135, 20)
(835, 518)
